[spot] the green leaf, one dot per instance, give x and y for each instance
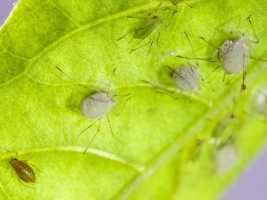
(161, 147)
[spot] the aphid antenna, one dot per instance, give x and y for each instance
(175, 10)
(111, 77)
(16, 153)
(170, 93)
(249, 20)
(191, 48)
(74, 79)
(98, 128)
(118, 114)
(161, 87)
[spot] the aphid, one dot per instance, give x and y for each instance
(233, 54)
(226, 157)
(175, 2)
(23, 170)
(261, 103)
(186, 77)
(142, 31)
(225, 127)
(96, 106)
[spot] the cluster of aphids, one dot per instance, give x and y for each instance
(233, 56)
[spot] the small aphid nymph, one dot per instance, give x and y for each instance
(23, 170)
(145, 29)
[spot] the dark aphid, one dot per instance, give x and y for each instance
(23, 170)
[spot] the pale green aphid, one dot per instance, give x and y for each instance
(147, 27)
(175, 2)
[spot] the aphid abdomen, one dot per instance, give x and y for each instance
(97, 105)
(226, 158)
(174, 2)
(186, 78)
(147, 27)
(233, 55)
(261, 103)
(23, 170)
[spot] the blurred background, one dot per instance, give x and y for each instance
(251, 185)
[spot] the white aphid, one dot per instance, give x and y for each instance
(186, 78)
(225, 158)
(234, 55)
(97, 105)
(261, 103)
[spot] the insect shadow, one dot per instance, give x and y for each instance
(234, 54)
(145, 29)
(96, 106)
(185, 77)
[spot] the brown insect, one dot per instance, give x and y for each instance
(23, 170)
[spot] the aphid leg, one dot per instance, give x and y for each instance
(204, 79)
(228, 82)
(243, 86)
(249, 20)
(109, 125)
(118, 114)
(191, 49)
(138, 47)
(223, 76)
(257, 58)
(208, 82)
(10, 178)
(98, 128)
(127, 33)
(214, 54)
(85, 130)
(151, 46)
(111, 76)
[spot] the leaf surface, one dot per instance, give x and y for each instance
(161, 147)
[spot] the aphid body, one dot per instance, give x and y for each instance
(174, 2)
(147, 27)
(226, 158)
(234, 55)
(97, 105)
(186, 78)
(23, 170)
